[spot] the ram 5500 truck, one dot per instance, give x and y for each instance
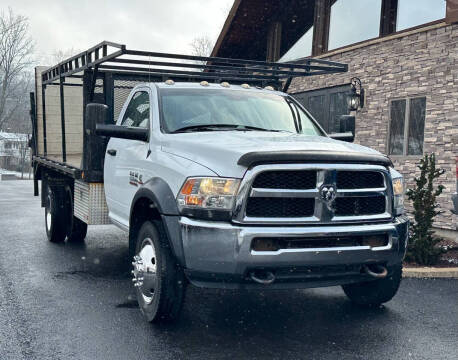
(219, 179)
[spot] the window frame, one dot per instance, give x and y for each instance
(405, 145)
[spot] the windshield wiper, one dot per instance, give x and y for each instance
(204, 127)
(213, 127)
(254, 128)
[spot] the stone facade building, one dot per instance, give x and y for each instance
(409, 75)
(421, 63)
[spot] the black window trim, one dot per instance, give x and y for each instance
(406, 127)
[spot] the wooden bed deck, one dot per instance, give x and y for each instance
(72, 159)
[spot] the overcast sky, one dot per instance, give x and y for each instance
(156, 25)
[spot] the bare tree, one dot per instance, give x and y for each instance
(18, 105)
(16, 47)
(24, 153)
(201, 46)
(61, 55)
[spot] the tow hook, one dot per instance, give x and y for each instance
(262, 277)
(377, 271)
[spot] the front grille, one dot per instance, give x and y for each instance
(286, 180)
(359, 180)
(283, 192)
(351, 206)
(280, 207)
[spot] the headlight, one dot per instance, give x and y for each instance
(398, 192)
(398, 186)
(211, 198)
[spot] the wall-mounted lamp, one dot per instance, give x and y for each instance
(356, 96)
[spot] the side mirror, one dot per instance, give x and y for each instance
(93, 145)
(347, 129)
(122, 132)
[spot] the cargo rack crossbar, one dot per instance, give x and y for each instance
(109, 56)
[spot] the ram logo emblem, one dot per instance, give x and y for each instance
(328, 194)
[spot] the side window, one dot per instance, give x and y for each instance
(407, 126)
(137, 112)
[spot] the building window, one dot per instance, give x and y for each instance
(326, 105)
(353, 21)
(407, 125)
(302, 48)
(420, 12)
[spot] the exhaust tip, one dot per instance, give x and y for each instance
(262, 277)
(376, 271)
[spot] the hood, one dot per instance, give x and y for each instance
(220, 151)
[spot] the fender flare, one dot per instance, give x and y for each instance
(160, 194)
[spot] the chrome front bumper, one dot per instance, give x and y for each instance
(219, 254)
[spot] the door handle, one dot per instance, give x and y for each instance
(111, 152)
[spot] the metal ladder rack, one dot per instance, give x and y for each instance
(109, 56)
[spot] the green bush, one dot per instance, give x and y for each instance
(422, 243)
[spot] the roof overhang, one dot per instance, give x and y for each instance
(244, 34)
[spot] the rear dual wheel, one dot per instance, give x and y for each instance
(60, 222)
(55, 220)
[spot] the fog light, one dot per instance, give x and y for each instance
(265, 244)
(375, 240)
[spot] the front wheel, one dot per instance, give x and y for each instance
(158, 280)
(376, 292)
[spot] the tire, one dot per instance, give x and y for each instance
(374, 293)
(76, 228)
(152, 252)
(55, 221)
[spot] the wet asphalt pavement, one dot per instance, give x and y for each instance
(77, 302)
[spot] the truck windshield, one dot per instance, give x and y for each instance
(185, 110)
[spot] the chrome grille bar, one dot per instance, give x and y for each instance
(324, 212)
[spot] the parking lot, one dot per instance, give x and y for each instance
(77, 301)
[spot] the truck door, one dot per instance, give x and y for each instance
(125, 159)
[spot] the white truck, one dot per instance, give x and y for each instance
(219, 180)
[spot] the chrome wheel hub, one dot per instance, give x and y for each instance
(48, 215)
(144, 272)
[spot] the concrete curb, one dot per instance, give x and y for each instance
(430, 272)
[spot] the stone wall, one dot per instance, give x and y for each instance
(422, 62)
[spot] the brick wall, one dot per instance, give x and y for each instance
(421, 62)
